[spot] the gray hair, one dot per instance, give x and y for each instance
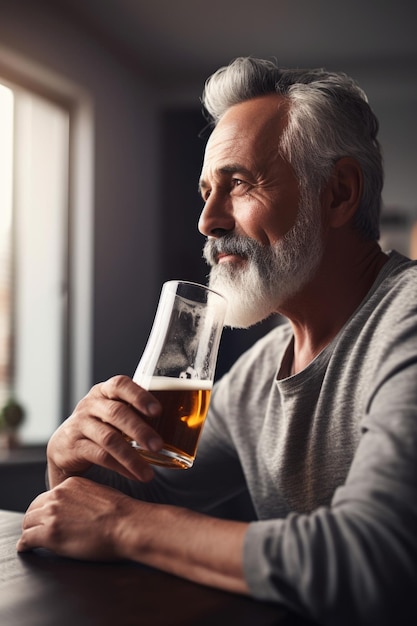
(329, 118)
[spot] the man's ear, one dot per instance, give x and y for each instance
(343, 192)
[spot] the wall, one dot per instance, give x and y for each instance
(125, 263)
(392, 91)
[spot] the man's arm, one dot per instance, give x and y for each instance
(81, 519)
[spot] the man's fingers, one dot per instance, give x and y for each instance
(113, 452)
(126, 419)
(123, 388)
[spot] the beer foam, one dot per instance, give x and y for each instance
(165, 383)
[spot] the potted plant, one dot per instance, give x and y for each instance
(12, 416)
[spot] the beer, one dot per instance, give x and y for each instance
(185, 403)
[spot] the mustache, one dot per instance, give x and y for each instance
(230, 244)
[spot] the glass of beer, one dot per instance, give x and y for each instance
(178, 365)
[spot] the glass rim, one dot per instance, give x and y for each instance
(194, 284)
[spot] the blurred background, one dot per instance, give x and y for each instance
(100, 153)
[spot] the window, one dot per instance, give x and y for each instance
(34, 232)
(45, 288)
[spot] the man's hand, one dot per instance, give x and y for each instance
(94, 432)
(78, 519)
(84, 520)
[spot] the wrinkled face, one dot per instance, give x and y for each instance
(264, 241)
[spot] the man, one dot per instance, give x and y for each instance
(314, 430)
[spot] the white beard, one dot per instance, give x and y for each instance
(270, 275)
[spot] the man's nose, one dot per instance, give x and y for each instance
(216, 218)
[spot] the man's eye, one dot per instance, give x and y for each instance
(240, 185)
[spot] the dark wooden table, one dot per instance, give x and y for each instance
(40, 589)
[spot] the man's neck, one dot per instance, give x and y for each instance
(319, 312)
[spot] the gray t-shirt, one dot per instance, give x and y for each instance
(324, 462)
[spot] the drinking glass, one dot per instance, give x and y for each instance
(178, 366)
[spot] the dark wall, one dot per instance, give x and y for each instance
(181, 160)
(182, 149)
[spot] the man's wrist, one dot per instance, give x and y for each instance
(182, 542)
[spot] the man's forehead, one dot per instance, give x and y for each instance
(256, 112)
(259, 119)
(247, 133)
